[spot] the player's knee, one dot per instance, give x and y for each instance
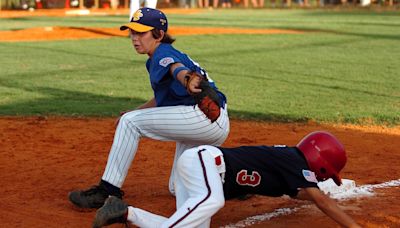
(129, 120)
(216, 202)
(220, 203)
(125, 119)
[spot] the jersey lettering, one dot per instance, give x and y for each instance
(243, 178)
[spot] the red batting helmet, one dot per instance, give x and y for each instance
(325, 155)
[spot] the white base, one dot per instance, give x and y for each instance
(329, 186)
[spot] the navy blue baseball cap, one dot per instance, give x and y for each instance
(146, 19)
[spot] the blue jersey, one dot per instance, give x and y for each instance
(265, 170)
(168, 91)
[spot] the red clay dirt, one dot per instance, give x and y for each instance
(45, 158)
(42, 159)
(71, 33)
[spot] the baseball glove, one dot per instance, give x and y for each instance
(208, 100)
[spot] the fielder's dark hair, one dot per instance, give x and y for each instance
(166, 39)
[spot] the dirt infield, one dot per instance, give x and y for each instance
(45, 158)
(42, 159)
(71, 33)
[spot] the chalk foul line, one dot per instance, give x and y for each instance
(361, 191)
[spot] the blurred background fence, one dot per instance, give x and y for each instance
(113, 4)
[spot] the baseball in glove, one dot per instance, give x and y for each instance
(208, 100)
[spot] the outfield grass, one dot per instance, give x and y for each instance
(344, 69)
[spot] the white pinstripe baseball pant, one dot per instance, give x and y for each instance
(187, 125)
(199, 192)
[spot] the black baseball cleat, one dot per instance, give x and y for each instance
(94, 197)
(113, 211)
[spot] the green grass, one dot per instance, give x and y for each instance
(345, 69)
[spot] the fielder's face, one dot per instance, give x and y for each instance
(144, 42)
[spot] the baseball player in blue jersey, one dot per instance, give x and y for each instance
(208, 175)
(186, 108)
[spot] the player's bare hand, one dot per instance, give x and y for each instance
(193, 83)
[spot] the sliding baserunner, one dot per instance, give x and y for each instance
(208, 175)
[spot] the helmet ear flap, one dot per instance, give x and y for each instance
(324, 154)
(322, 170)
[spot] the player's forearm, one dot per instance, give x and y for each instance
(330, 208)
(189, 81)
(327, 205)
(180, 73)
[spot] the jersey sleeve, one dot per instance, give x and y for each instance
(295, 172)
(299, 181)
(160, 66)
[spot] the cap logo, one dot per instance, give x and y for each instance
(163, 21)
(137, 15)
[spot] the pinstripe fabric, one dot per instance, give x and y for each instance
(187, 125)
